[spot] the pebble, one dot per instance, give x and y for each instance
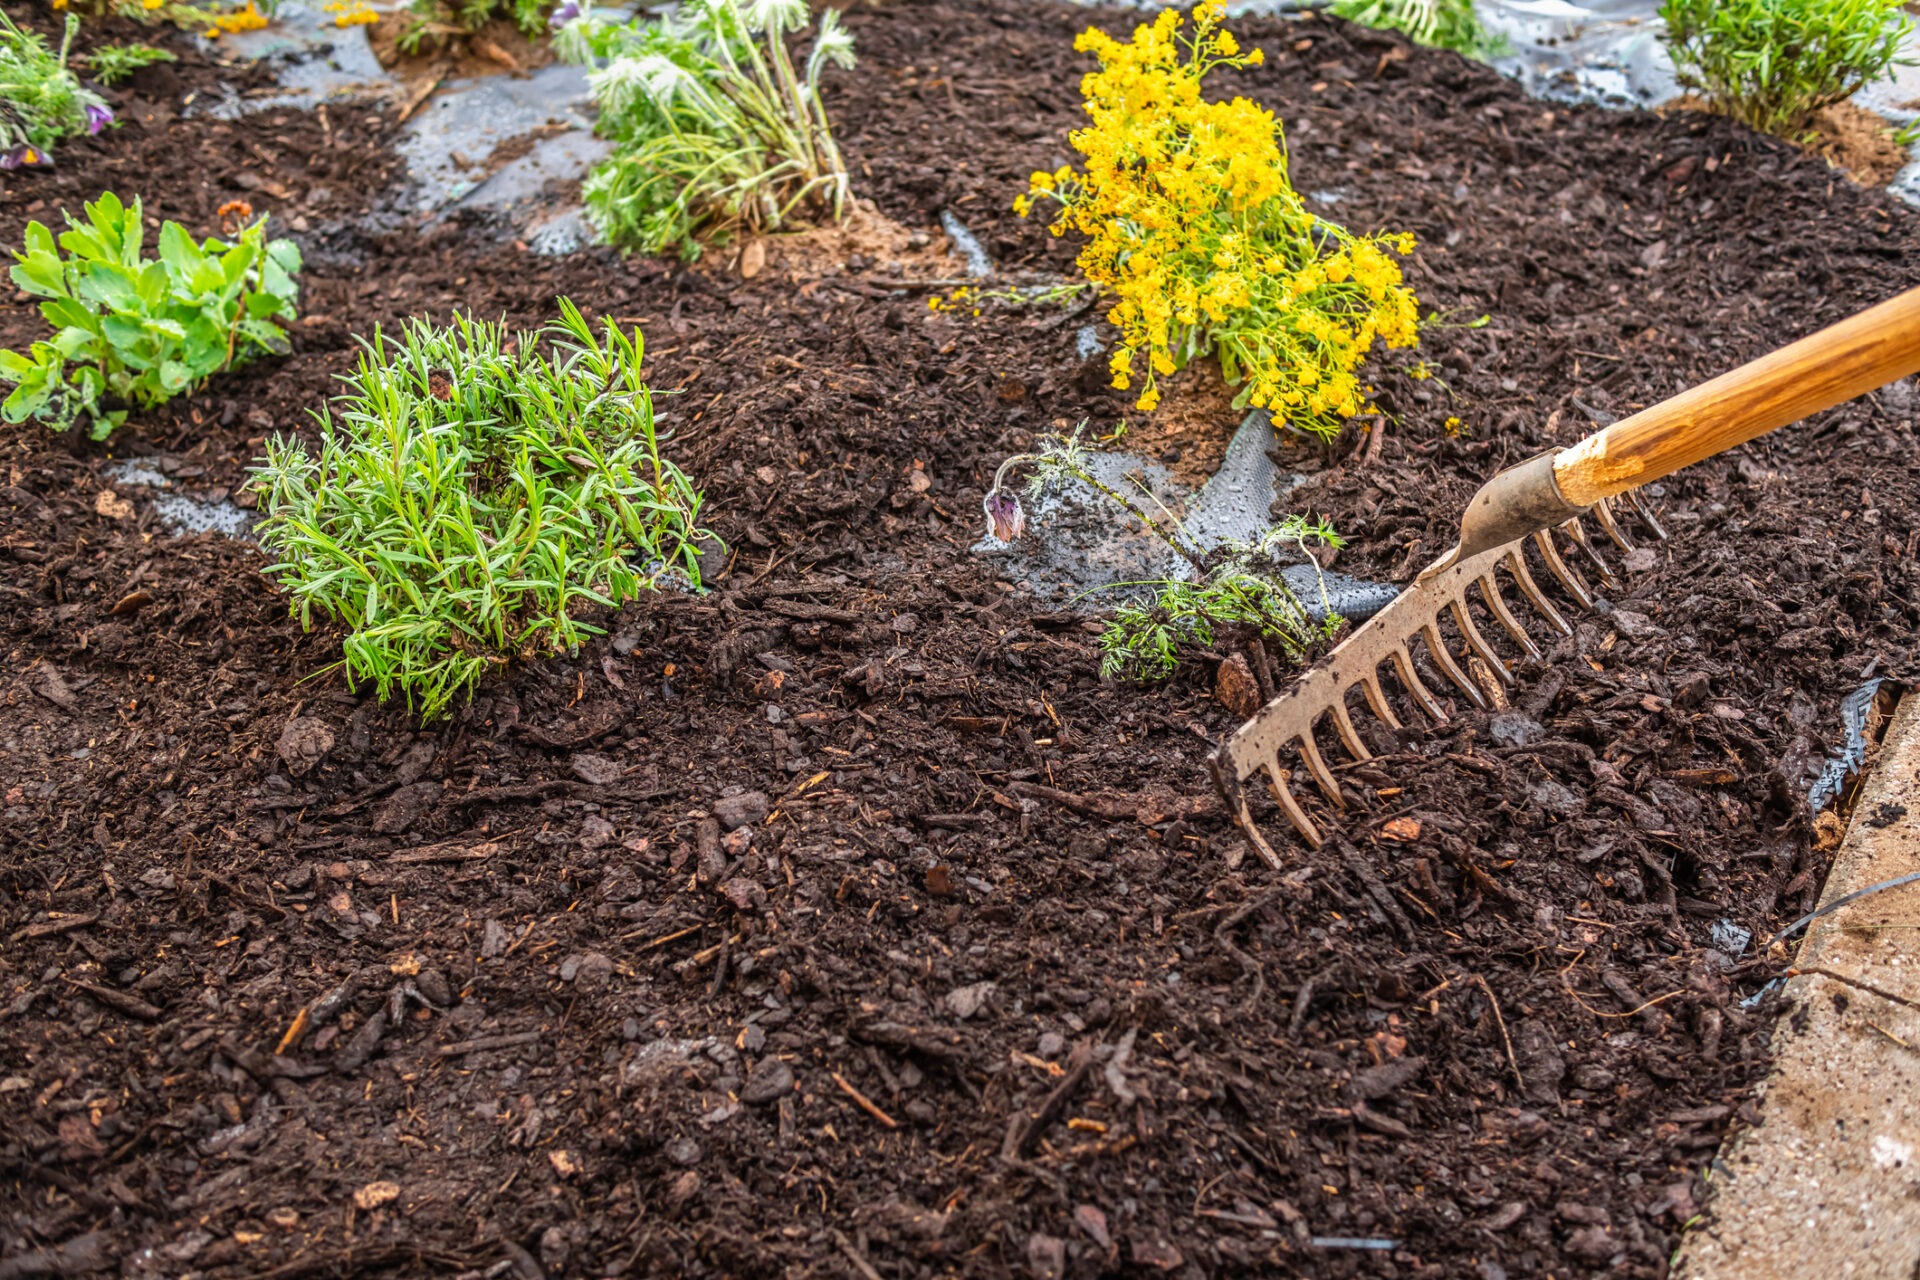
(769, 1081)
(742, 810)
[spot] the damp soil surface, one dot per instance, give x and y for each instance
(842, 920)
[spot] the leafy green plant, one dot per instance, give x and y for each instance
(112, 63)
(714, 128)
(435, 22)
(1772, 64)
(471, 496)
(41, 100)
(137, 330)
(1438, 24)
(1236, 588)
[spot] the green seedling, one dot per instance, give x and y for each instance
(136, 330)
(1235, 588)
(1772, 64)
(471, 496)
(112, 63)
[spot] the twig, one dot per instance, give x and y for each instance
(854, 1256)
(1024, 1130)
(480, 1043)
(866, 1104)
(1642, 1008)
(1505, 1039)
(1247, 962)
(132, 1006)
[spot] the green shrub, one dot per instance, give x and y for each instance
(41, 100)
(112, 63)
(1772, 63)
(138, 331)
(1439, 24)
(714, 128)
(470, 497)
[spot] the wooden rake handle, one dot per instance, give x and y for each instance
(1845, 360)
(1861, 353)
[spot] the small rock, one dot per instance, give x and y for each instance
(685, 1152)
(1514, 729)
(1635, 626)
(1046, 1256)
(595, 831)
(1152, 1251)
(744, 894)
(1234, 686)
(589, 972)
(413, 765)
(1592, 1245)
(404, 808)
(304, 743)
(964, 1002)
(683, 1189)
(1090, 1220)
(1052, 1044)
(112, 505)
(742, 810)
(1383, 1080)
(769, 1081)
(595, 770)
(1641, 560)
(434, 986)
(735, 843)
(494, 939)
(45, 679)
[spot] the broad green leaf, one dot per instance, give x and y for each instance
(110, 286)
(74, 343)
(65, 313)
(41, 274)
(174, 377)
(181, 255)
(38, 239)
(14, 367)
(27, 399)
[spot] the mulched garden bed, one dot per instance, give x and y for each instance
(981, 996)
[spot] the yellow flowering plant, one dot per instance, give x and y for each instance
(1195, 231)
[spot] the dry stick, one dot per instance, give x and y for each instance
(1247, 962)
(866, 1104)
(480, 1043)
(854, 1255)
(1504, 1037)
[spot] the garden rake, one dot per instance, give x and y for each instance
(1530, 504)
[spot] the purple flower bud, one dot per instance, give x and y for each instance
(1005, 520)
(564, 13)
(18, 157)
(98, 117)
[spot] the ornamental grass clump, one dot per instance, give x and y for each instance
(1438, 24)
(1196, 233)
(471, 496)
(1772, 64)
(715, 129)
(41, 100)
(132, 330)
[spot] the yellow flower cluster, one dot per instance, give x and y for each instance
(248, 18)
(351, 13)
(1195, 231)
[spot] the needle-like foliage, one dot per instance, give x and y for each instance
(1772, 64)
(472, 495)
(715, 128)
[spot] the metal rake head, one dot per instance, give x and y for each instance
(1461, 654)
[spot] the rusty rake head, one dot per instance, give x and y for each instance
(1437, 611)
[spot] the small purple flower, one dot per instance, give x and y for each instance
(98, 117)
(19, 157)
(564, 14)
(1005, 520)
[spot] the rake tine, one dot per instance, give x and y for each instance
(1403, 667)
(1497, 605)
(1449, 668)
(1310, 752)
(1603, 512)
(1348, 736)
(1377, 699)
(1277, 779)
(1575, 588)
(1477, 642)
(1517, 565)
(1645, 512)
(1577, 534)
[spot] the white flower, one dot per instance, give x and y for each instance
(776, 16)
(627, 80)
(832, 43)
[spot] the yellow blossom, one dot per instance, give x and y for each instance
(1193, 230)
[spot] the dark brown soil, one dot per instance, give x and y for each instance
(578, 1035)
